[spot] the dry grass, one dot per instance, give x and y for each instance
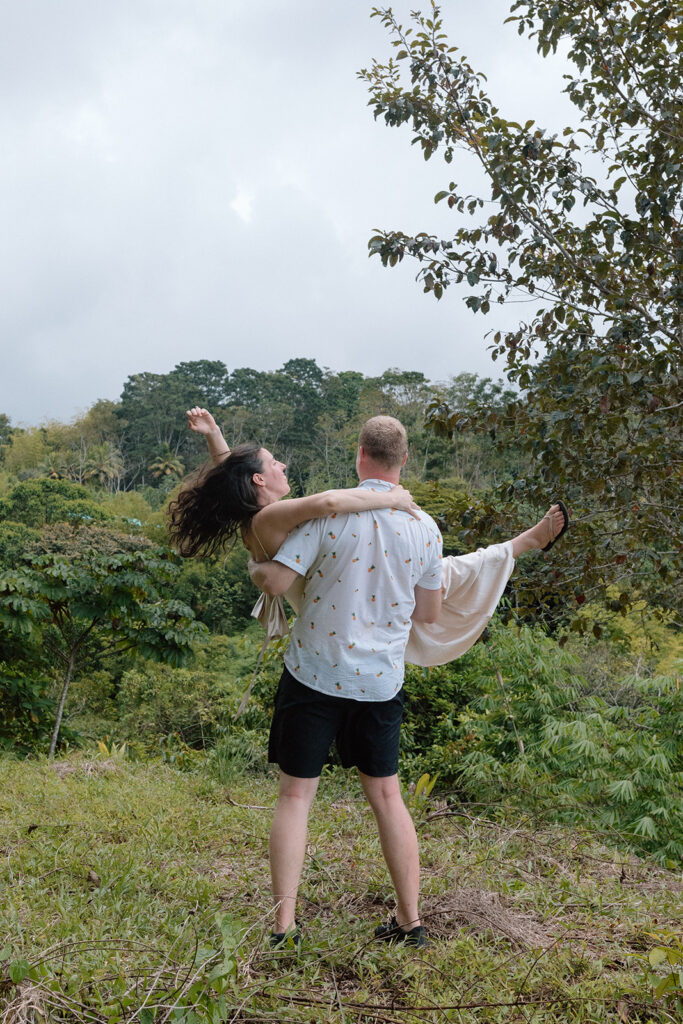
(125, 886)
(84, 766)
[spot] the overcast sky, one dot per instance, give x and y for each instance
(198, 179)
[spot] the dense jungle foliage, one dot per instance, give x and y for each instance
(106, 635)
(543, 769)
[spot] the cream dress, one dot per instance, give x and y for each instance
(473, 585)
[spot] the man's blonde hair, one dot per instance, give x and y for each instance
(384, 440)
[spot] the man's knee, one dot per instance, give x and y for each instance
(299, 791)
(381, 792)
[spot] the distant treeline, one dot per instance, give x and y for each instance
(308, 415)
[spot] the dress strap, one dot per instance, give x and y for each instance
(252, 530)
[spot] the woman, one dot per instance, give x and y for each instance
(242, 494)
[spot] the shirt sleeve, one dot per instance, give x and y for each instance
(301, 547)
(431, 576)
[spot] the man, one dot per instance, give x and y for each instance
(367, 575)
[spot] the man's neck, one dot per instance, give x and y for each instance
(379, 473)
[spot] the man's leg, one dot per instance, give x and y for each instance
(399, 844)
(288, 844)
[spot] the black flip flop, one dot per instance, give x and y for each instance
(563, 510)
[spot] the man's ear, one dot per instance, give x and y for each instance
(405, 459)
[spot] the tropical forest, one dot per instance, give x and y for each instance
(543, 769)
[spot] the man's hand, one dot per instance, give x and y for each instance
(271, 577)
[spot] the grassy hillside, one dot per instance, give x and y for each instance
(138, 892)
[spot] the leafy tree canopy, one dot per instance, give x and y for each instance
(586, 224)
(6, 429)
(61, 607)
(14, 539)
(41, 501)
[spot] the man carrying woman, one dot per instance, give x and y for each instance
(363, 568)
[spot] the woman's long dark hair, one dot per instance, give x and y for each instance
(209, 513)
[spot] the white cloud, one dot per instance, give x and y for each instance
(242, 204)
(138, 136)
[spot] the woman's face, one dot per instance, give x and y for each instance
(273, 476)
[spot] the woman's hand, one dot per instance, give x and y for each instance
(201, 421)
(402, 498)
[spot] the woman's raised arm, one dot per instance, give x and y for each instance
(274, 522)
(202, 422)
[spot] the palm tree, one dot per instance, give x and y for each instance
(54, 466)
(166, 464)
(104, 464)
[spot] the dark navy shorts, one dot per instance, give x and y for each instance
(305, 722)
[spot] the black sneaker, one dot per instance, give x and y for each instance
(281, 940)
(392, 932)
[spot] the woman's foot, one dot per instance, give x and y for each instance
(546, 531)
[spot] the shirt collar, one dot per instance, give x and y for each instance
(375, 484)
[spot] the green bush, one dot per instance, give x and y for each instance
(219, 591)
(42, 501)
(238, 752)
(14, 540)
(156, 700)
(516, 721)
(26, 711)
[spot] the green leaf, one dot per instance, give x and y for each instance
(622, 789)
(645, 826)
(421, 783)
(667, 984)
(18, 970)
(657, 956)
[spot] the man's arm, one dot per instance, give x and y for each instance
(427, 604)
(272, 577)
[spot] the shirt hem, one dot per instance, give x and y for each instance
(362, 698)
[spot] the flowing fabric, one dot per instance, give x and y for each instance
(473, 584)
(270, 612)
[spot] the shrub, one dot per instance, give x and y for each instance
(219, 591)
(156, 701)
(41, 501)
(26, 711)
(515, 720)
(14, 539)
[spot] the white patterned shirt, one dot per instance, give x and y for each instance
(360, 574)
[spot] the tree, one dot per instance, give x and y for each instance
(152, 412)
(37, 502)
(104, 464)
(166, 464)
(282, 411)
(588, 224)
(14, 540)
(24, 451)
(60, 606)
(100, 424)
(6, 429)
